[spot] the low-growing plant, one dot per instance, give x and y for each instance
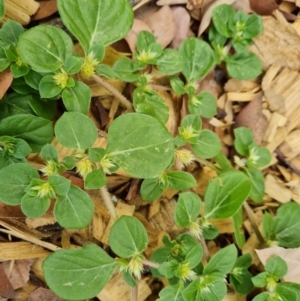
(45, 69)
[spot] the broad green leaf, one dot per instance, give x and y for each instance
(254, 26)
(168, 268)
(140, 144)
(170, 62)
(81, 131)
(128, 237)
(288, 290)
(48, 88)
(223, 162)
(276, 266)
(45, 108)
(192, 120)
(193, 257)
(210, 231)
(260, 280)
(225, 194)
(10, 32)
(239, 234)
(45, 48)
(222, 262)
(36, 131)
(215, 292)
(259, 156)
(105, 70)
(187, 208)
(19, 71)
(144, 40)
(170, 293)
(181, 180)
(221, 16)
(198, 58)
(204, 104)
(13, 181)
(73, 64)
(2, 9)
(124, 70)
(20, 86)
(177, 85)
(97, 51)
(287, 225)
(49, 152)
(151, 189)
(243, 140)
(236, 63)
(61, 185)
(34, 206)
(160, 255)
(95, 179)
(77, 98)
(150, 103)
(96, 21)
(75, 209)
(78, 274)
(258, 184)
(208, 144)
(96, 154)
(4, 62)
(268, 226)
(262, 297)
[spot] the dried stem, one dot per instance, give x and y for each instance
(134, 293)
(123, 100)
(150, 263)
(205, 249)
(108, 203)
(249, 213)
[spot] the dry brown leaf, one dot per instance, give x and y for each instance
(19, 273)
(161, 22)
(6, 289)
(6, 79)
(291, 257)
(170, 2)
(131, 37)
(206, 18)
(47, 8)
(182, 20)
(263, 8)
(243, 5)
(251, 116)
(44, 295)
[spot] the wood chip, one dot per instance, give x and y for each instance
(277, 190)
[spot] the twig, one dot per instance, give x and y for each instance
(134, 293)
(281, 158)
(123, 100)
(249, 213)
(108, 203)
(150, 263)
(205, 249)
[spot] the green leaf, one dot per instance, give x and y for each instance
(288, 290)
(225, 194)
(77, 98)
(18, 71)
(144, 40)
(208, 144)
(45, 48)
(4, 62)
(133, 137)
(75, 209)
(262, 297)
(239, 234)
(177, 85)
(45, 108)
(193, 257)
(36, 131)
(95, 179)
(124, 70)
(204, 104)
(49, 152)
(20, 86)
(96, 154)
(128, 237)
(223, 162)
(276, 266)
(73, 64)
(96, 21)
(268, 226)
(245, 286)
(222, 262)
(236, 63)
(34, 206)
(151, 189)
(193, 121)
(48, 88)
(150, 103)
(61, 185)
(10, 33)
(105, 70)
(170, 62)
(180, 180)
(198, 58)
(13, 181)
(187, 208)
(221, 16)
(14, 104)
(243, 140)
(168, 269)
(170, 293)
(78, 274)
(260, 280)
(254, 26)
(287, 225)
(258, 184)
(2, 9)
(82, 132)
(210, 231)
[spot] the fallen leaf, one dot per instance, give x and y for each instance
(206, 18)
(47, 8)
(6, 79)
(194, 4)
(182, 20)
(19, 273)
(251, 116)
(131, 37)
(263, 8)
(43, 294)
(243, 5)
(6, 289)
(291, 257)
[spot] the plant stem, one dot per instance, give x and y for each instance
(205, 249)
(249, 213)
(123, 100)
(208, 164)
(150, 263)
(134, 293)
(108, 203)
